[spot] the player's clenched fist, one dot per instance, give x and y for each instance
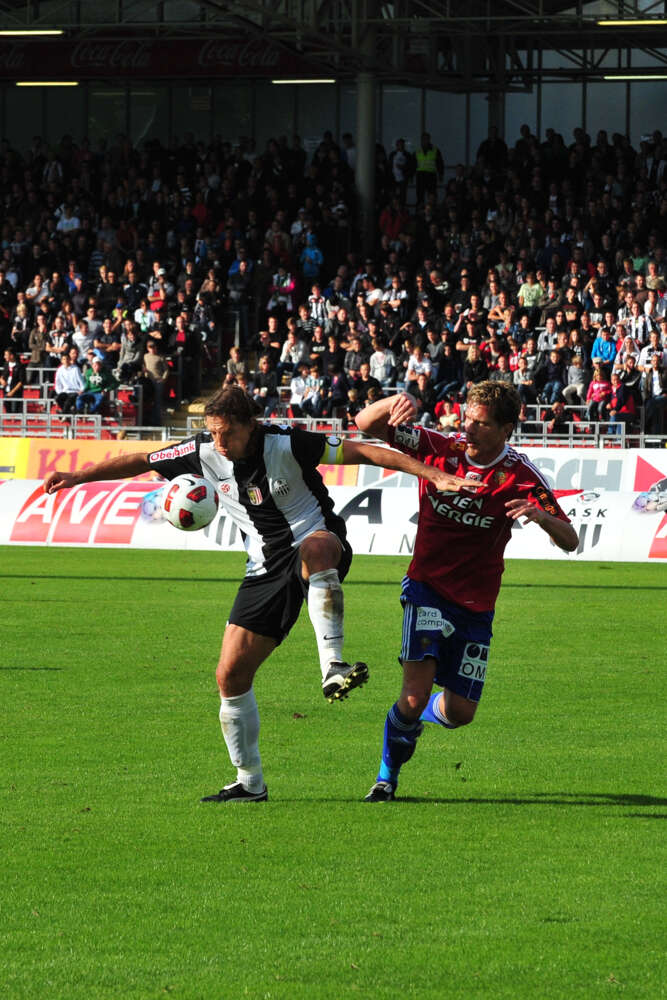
(403, 409)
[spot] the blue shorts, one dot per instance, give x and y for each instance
(458, 640)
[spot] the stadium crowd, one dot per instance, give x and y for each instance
(542, 265)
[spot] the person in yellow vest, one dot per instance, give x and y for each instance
(430, 168)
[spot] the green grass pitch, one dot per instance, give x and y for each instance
(524, 860)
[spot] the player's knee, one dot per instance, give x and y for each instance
(221, 674)
(233, 679)
(416, 700)
(319, 552)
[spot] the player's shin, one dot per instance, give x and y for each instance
(399, 743)
(325, 608)
(239, 721)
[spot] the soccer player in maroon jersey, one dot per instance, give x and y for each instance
(450, 589)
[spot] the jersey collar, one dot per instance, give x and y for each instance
(489, 465)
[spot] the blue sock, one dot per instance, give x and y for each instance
(398, 745)
(433, 712)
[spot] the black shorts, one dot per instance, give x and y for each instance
(270, 604)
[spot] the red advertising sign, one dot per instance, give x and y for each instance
(146, 58)
(104, 513)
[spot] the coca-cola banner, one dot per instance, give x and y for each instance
(146, 58)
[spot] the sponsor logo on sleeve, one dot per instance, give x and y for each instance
(407, 436)
(175, 451)
(546, 500)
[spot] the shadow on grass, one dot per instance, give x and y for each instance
(348, 583)
(31, 668)
(589, 799)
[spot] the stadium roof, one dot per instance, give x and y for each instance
(463, 45)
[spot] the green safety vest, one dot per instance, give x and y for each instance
(426, 161)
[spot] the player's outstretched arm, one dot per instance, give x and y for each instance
(121, 467)
(391, 411)
(360, 453)
(563, 534)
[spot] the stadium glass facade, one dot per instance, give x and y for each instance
(259, 109)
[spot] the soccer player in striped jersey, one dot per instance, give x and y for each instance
(269, 485)
(452, 583)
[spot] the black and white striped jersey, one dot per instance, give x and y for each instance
(276, 496)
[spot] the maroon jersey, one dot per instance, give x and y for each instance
(461, 537)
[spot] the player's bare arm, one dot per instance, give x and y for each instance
(360, 453)
(562, 533)
(121, 467)
(391, 411)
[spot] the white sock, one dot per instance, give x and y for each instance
(239, 721)
(440, 714)
(325, 607)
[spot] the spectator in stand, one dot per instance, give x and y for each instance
(311, 260)
(631, 378)
(654, 346)
(475, 369)
(502, 372)
(574, 392)
(557, 418)
(429, 168)
(156, 373)
(530, 296)
(366, 382)
(402, 167)
(98, 381)
(12, 382)
(424, 397)
(298, 388)
(555, 378)
(69, 384)
(418, 364)
(38, 340)
(265, 386)
(604, 348)
(20, 329)
(318, 345)
(654, 393)
(353, 406)
(619, 408)
(294, 353)
(315, 393)
(239, 288)
(383, 364)
(599, 391)
(524, 382)
(448, 415)
(236, 364)
(108, 344)
(58, 342)
(281, 300)
(354, 358)
(131, 357)
(629, 347)
(449, 375)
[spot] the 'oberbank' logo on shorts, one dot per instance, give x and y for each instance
(474, 662)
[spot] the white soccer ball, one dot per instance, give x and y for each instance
(190, 502)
